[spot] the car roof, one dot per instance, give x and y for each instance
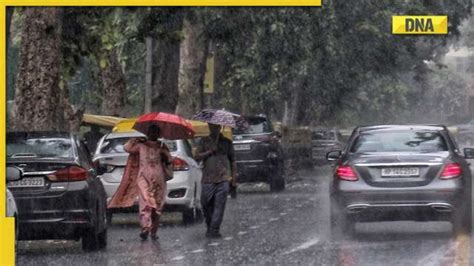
(131, 134)
(401, 127)
(124, 135)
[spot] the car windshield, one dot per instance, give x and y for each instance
(256, 126)
(40, 147)
(399, 141)
(115, 145)
(323, 135)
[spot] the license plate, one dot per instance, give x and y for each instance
(243, 147)
(401, 171)
(28, 182)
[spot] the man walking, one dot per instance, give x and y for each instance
(217, 154)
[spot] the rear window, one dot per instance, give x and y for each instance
(115, 145)
(400, 141)
(323, 135)
(256, 126)
(40, 147)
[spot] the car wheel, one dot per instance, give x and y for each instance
(341, 225)
(93, 238)
(190, 216)
(110, 216)
(103, 235)
(90, 239)
(462, 220)
(277, 181)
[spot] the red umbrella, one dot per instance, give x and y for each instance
(171, 126)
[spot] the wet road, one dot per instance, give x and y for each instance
(259, 227)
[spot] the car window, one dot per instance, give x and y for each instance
(399, 141)
(323, 135)
(187, 148)
(40, 147)
(84, 154)
(256, 126)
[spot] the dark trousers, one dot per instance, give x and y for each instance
(213, 199)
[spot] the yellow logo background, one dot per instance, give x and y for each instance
(439, 23)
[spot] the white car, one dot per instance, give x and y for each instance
(183, 190)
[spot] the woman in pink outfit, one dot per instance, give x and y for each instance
(151, 183)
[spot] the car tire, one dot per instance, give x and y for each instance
(277, 180)
(110, 216)
(95, 238)
(342, 227)
(462, 220)
(190, 215)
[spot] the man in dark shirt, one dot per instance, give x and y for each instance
(92, 138)
(217, 155)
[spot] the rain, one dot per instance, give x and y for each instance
(241, 135)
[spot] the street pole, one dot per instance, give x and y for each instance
(148, 73)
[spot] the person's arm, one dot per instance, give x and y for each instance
(202, 152)
(233, 164)
(166, 155)
(132, 145)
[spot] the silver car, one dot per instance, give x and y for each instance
(183, 190)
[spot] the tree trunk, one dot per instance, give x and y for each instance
(292, 107)
(148, 73)
(114, 85)
(8, 24)
(37, 92)
(166, 66)
(194, 49)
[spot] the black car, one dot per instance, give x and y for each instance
(400, 172)
(259, 154)
(324, 140)
(60, 195)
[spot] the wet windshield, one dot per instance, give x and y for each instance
(347, 132)
(399, 141)
(40, 147)
(256, 126)
(323, 135)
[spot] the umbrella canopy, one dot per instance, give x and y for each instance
(200, 128)
(171, 126)
(221, 117)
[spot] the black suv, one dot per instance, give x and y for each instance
(258, 153)
(400, 172)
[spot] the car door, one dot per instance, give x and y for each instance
(195, 169)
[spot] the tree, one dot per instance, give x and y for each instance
(38, 89)
(194, 50)
(163, 25)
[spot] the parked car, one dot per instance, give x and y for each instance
(59, 196)
(397, 172)
(324, 140)
(258, 153)
(183, 190)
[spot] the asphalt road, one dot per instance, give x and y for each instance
(260, 227)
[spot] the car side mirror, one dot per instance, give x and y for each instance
(333, 155)
(14, 174)
(469, 153)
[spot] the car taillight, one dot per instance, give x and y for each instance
(345, 172)
(180, 164)
(451, 170)
(72, 173)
